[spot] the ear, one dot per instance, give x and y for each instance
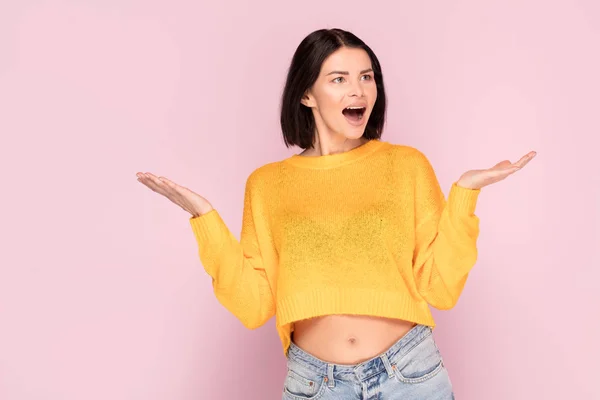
(308, 100)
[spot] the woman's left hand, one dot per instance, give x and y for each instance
(478, 178)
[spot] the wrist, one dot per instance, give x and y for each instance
(203, 211)
(466, 185)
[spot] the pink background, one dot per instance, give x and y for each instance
(102, 295)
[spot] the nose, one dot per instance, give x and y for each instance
(357, 89)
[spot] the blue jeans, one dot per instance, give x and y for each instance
(410, 369)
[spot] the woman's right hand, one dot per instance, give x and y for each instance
(182, 196)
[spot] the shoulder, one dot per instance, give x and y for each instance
(265, 173)
(409, 156)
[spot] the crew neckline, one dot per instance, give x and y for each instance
(338, 159)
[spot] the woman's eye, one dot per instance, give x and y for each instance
(340, 79)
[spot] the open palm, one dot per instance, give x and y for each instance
(180, 195)
(478, 178)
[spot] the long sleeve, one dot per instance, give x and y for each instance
(446, 233)
(237, 268)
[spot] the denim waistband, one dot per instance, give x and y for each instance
(365, 369)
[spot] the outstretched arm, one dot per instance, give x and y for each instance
(447, 230)
(237, 268)
(446, 233)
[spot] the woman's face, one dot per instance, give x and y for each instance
(344, 94)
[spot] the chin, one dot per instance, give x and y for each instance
(354, 133)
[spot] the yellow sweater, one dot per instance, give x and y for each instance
(368, 231)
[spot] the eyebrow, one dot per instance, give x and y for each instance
(347, 73)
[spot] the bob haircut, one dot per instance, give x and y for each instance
(297, 121)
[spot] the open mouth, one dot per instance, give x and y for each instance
(354, 114)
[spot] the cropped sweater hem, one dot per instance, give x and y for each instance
(327, 301)
(348, 301)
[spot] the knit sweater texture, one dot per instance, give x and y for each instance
(364, 232)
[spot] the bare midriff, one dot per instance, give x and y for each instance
(348, 339)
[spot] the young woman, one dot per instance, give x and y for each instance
(349, 242)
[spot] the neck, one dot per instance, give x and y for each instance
(332, 145)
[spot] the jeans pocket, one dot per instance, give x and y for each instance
(420, 364)
(301, 386)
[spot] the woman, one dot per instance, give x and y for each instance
(347, 243)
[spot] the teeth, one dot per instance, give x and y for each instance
(355, 108)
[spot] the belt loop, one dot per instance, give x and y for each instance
(330, 380)
(387, 364)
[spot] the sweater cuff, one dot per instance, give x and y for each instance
(207, 226)
(463, 200)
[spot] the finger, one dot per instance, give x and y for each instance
(159, 186)
(155, 180)
(169, 183)
(180, 190)
(155, 184)
(150, 184)
(500, 174)
(176, 192)
(181, 194)
(174, 188)
(525, 159)
(142, 178)
(170, 190)
(502, 164)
